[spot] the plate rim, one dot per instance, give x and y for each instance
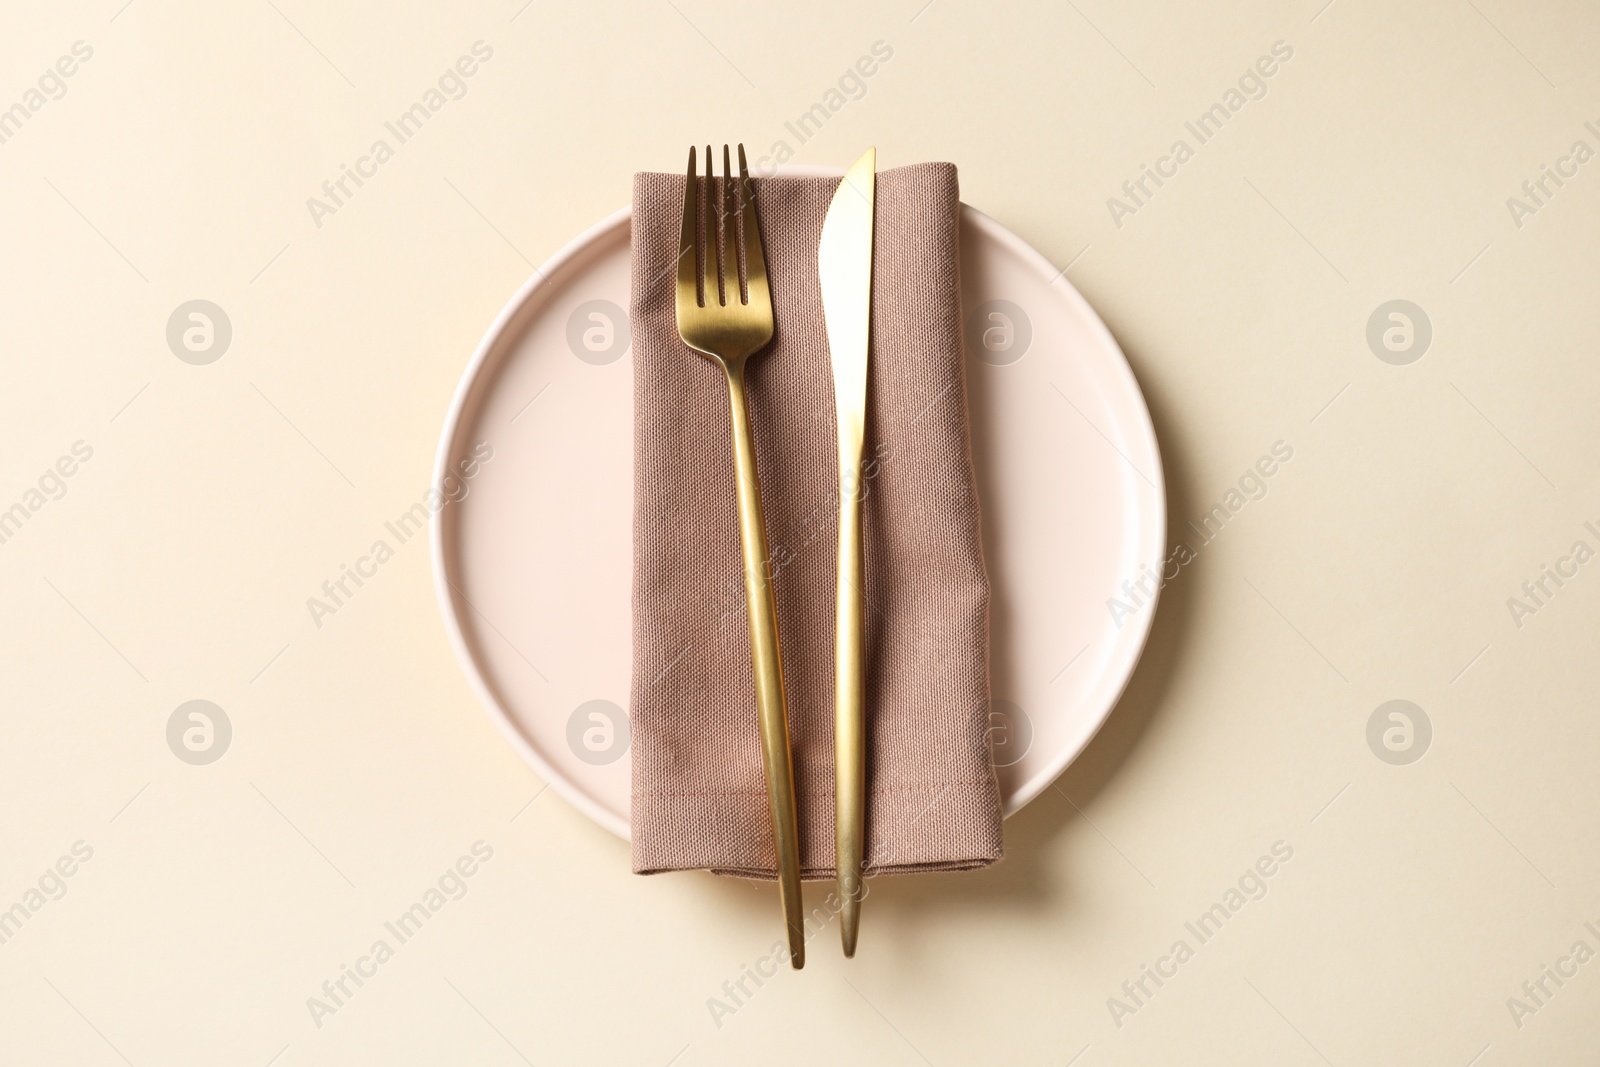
(524, 298)
(442, 586)
(1156, 531)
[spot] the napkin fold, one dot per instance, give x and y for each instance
(699, 791)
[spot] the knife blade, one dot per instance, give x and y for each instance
(844, 266)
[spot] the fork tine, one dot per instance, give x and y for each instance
(688, 269)
(755, 259)
(713, 275)
(730, 234)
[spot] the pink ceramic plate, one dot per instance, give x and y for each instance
(533, 563)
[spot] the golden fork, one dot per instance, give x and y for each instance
(729, 326)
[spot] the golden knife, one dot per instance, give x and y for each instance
(844, 265)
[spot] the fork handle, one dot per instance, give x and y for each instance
(767, 663)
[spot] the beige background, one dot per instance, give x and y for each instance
(219, 898)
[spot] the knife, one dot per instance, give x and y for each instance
(844, 265)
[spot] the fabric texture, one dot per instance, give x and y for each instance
(699, 792)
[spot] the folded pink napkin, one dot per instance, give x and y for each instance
(699, 792)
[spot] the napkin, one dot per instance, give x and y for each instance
(699, 791)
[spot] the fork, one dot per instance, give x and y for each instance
(729, 325)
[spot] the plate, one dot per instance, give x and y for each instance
(532, 527)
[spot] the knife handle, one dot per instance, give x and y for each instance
(849, 723)
(766, 661)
